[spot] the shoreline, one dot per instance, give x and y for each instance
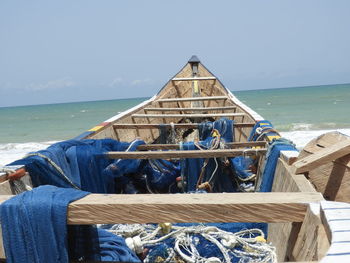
(12, 151)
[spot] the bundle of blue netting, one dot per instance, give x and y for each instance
(69, 170)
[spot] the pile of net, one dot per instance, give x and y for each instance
(82, 165)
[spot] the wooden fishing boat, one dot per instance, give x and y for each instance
(301, 223)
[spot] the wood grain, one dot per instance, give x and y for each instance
(188, 115)
(168, 125)
(223, 207)
(183, 154)
(230, 145)
(332, 178)
(193, 99)
(193, 109)
(193, 78)
(323, 156)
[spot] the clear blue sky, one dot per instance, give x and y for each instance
(60, 51)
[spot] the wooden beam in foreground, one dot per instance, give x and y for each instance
(186, 115)
(230, 145)
(183, 154)
(158, 208)
(192, 109)
(193, 99)
(323, 156)
(168, 125)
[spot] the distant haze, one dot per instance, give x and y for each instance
(64, 51)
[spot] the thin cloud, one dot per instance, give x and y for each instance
(115, 82)
(138, 82)
(51, 85)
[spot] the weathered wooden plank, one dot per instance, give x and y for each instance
(230, 145)
(323, 156)
(312, 242)
(190, 208)
(168, 125)
(188, 115)
(331, 178)
(193, 99)
(283, 235)
(221, 207)
(183, 154)
(193, 78)
(193, 109)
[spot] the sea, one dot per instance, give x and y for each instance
(300, 114)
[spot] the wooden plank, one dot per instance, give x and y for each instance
(331, 178)
(216, 207)
(312, 242)
(186, 115)
(286, 181)
(193, 78)
(289, 157)
(176, 125)
(283, 235)
(192, 109)
(190, 208)
(230, 145)
(323, 156)
(193, 99)
(183, 154)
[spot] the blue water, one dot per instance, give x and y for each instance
(289, 109)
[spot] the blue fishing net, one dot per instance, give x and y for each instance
(73, 164)
(223, 125)
(34, 229)
(277, 144)
(272, 155)
(81, 165)
(216, 170)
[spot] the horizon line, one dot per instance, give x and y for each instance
(147, 97)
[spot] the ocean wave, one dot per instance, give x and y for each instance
(302, 137)
(10, 152)
(303, 126)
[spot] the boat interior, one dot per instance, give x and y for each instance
(194, 117)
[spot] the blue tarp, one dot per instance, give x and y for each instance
(34, 229)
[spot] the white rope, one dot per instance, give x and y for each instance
(242, 244)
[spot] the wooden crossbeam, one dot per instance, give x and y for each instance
(193, 99)
(176, 208)
(192, 109)
(168, 125)
(230, 145)
(323, 156)
(193, 78)
(185, 115)
(184, 154)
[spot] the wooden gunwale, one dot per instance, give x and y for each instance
(168, 125)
